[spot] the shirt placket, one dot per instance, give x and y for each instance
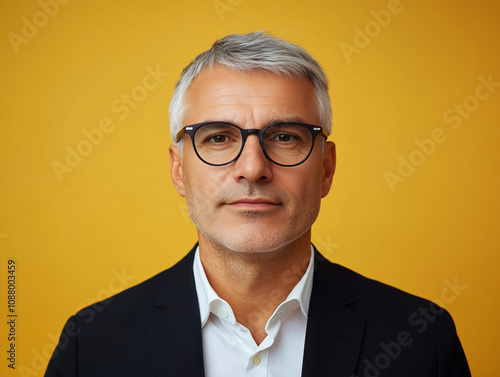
(258, 364)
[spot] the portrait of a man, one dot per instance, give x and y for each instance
(251, 117)
(229, 188)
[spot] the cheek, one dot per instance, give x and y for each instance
(303, 190)
(311, 191)
(308, 179)
(203, 183)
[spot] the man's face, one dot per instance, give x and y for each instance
(251, 204)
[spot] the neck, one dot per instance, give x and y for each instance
(255, 284)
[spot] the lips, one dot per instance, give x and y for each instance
(253, 203)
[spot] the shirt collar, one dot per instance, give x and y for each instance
(208, 299)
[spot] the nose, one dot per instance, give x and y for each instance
(252, 165)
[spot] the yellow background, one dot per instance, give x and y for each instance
(117, 214)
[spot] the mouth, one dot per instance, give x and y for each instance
(253, 204)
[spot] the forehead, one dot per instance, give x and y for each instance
(249, 97)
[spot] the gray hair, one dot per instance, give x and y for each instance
(254, 51)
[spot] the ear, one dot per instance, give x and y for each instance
(176, 169)
(329, 163)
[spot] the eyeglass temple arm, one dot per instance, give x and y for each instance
(181, 133)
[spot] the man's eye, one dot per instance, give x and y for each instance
(284, 138)
(218, 139)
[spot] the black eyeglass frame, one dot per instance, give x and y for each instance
(191, 131)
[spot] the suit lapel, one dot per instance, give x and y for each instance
(175, 331)
(334, 333)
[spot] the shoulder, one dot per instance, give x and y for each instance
(348, 284)
(386, 310)
(143, 298)
(396, 325)
(370, 290)
(382, 306)
(117, 336)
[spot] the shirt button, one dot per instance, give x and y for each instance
(256, 360)
(224, 313)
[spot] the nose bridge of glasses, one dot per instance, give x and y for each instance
(246, 133)
(250, 131)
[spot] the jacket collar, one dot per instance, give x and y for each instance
(175, 331)
(334, 333)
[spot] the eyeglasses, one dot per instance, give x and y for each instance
(220, 143)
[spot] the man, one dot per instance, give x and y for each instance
(250, 118)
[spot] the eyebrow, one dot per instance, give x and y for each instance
(271, 121)
(287, 119)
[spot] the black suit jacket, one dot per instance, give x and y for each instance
(356, 327)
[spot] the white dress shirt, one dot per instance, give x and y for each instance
(229, 349)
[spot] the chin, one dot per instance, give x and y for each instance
(251, 248)
(256, 240)
(254, 234)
